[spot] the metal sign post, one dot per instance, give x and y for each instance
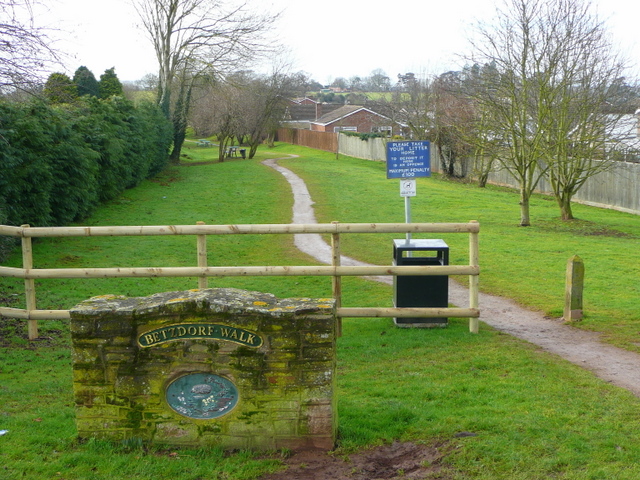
(407, 190)
(406, 161)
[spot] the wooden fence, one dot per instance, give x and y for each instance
(32, 314)
(327, 141)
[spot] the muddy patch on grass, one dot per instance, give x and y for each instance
(400, 460)
(579, 227)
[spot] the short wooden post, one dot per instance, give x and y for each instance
(573, 289)
(29, 284)
(202, 257)
(336, 280)
(474, 324)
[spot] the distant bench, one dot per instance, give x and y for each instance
(234, 150)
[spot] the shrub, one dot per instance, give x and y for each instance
(59, 161)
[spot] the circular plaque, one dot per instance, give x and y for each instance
(202, 395)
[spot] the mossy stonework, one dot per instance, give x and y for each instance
(209, 367)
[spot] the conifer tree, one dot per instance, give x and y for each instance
(86, 82)
(109, 84)
(60, 89)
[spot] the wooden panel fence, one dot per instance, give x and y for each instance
(327, 141)
(32, 314)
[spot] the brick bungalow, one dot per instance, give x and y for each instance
(354, 118)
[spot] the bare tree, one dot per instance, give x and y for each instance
(478, 129)
(510, 96)
(414, 107)
(264, 101)
(379, 81)
(576, 117)
(340, 83)
(218, 111)
(356, 83)
(553, 66)
(246, 107)
(26, 51)
(148, 82)
(198, 37)
(201, 116)
(437, 110)
(486, 146)
(453, 115)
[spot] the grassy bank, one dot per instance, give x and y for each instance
(532, 415)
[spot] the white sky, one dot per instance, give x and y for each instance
(327, 39)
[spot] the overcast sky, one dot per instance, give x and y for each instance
(327, 39)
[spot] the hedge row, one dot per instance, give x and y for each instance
(57, 163)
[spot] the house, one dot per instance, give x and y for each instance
(354, 118)
(302, 101)
(300, 113)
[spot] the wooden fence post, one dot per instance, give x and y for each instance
(336, 280)
(473, 279)
(573, 289)
(29, 284)
(202, 257)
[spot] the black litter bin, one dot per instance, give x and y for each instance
(430, 291)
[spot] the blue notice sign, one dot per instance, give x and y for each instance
(408, 159)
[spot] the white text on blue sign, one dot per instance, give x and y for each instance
(408, 159)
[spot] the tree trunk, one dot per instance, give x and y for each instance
(253, 149)
(178, 141)
(271, 140)
(165, 106)
(179, 134)
(483, 179)
(563, 194)
(164, 100)
(525, 219)
(179, 119)
(223, 141)
(564, 202)
(482, 167)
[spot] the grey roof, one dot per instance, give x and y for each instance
(342, 112)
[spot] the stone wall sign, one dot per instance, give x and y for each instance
(210, 367)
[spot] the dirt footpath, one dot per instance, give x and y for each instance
(614, 365)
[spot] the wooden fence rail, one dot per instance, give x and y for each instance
(202, 271)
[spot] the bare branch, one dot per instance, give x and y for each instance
(550, 69)
(25, 49)
(196, 38)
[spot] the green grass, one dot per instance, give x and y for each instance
(533, 415)
(527, 264)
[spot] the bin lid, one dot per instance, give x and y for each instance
(420, 244)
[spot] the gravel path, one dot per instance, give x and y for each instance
(617, 366)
